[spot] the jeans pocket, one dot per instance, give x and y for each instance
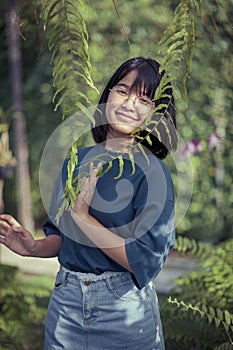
(152, 296)
(58, 282)
(126, 291)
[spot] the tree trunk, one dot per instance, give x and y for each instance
(1, 196)
(24, 206)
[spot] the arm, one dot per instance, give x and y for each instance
(19, 240)
(111, 244)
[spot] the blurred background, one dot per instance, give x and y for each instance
(27, 115)
(205, 126)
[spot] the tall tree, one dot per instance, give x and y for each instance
(24, 206)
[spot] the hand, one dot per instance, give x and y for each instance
(82, 203)
(16, 237)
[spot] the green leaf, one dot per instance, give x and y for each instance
(131, 157)
(121, 167)
(143, 152)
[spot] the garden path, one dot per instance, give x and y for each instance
(173, 268)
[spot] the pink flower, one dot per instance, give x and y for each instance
(192, 148)
(214, 141)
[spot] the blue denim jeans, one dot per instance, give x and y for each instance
(102, 312)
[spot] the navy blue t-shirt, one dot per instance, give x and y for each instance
(134, 199)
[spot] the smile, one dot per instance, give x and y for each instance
(126, 117)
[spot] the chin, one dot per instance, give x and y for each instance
(125, 130)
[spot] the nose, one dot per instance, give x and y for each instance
(129, 103)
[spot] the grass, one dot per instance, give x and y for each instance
(44, 281)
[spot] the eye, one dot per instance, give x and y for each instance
(145, 101)
(121, 92)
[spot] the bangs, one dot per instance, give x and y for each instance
(144, 83)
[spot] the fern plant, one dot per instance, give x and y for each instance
(177, 46)
(203, 299)
(22, 308)
(68, 42)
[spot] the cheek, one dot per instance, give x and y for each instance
(109, 110)
(142, 118)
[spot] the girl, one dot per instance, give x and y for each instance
(115, 239)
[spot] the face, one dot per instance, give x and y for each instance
(125, 110)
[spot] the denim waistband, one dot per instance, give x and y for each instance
(82, 276)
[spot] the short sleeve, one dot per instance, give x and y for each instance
(49, 227)
(153, 228)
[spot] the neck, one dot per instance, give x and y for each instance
(120, 144)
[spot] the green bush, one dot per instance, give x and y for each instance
(22, 312)
(199, 314)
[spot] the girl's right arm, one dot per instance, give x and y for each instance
(21, 241)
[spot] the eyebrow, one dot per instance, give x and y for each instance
(123, 85)
(127, 87)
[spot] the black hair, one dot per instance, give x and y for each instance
(147, 79)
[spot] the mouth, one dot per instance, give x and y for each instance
(126, 117)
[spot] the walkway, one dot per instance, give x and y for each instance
(173, 268)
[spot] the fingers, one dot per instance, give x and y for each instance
(8, 225)
(8, 219)
(94, 172)
(88, 184)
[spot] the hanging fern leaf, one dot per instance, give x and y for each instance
(192, 247)
(121, 167)
(131, 157)
(71, 66)
(70, 56)
(107, 168)
(224, 346)
(143, 152)
(177, 44)
(211, 314)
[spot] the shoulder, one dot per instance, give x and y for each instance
(156, 176)
(153, 165)
(80, 154)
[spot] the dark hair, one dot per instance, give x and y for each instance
(148, 78)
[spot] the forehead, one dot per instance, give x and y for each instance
(128, 80)
(135, 83)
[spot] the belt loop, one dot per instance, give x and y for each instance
(109, 283)
(64, 275)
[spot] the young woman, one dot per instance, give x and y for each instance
(115, 239)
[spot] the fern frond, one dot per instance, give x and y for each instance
(224, 346)
(131, 157)
(70, 56)
(121, 167)
(177, 45)
(143, 152)
(211, 314)
(192, 247)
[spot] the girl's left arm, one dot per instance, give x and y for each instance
(110, 243)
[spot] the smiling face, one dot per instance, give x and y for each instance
(126, 110)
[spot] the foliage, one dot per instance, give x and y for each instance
(68, 42)
(209, 90)
(6, 158)
(203, 299)
(22, 312)
(210, 105)
(177, 45)
(70, 31)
